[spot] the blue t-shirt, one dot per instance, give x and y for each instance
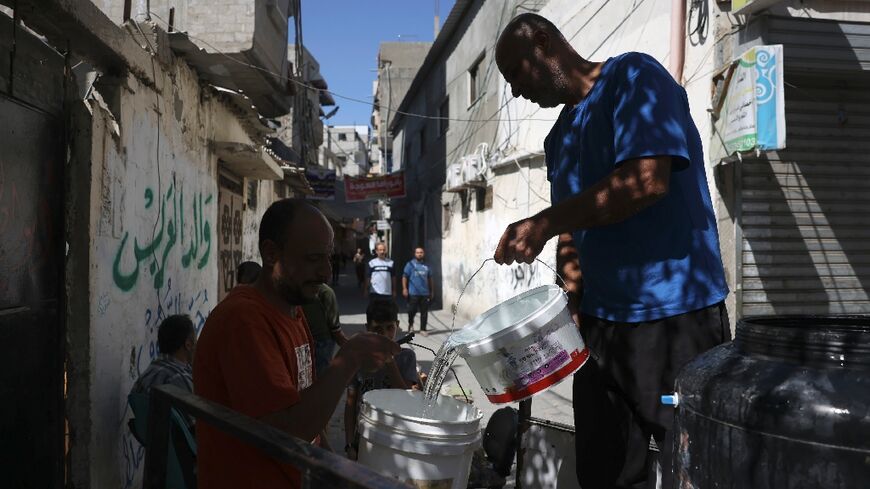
(418, 274)
(664, 260)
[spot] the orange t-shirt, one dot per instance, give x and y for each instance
(254, 359)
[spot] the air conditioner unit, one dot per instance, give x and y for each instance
(454, 176)
(473, 168)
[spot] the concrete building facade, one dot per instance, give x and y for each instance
(397, 65)
(344, 150)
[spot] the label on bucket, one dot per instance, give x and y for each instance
(532, 363)
(547, 375)
(432, 484)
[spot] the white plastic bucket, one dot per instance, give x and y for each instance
(431, 453)
(523, 346)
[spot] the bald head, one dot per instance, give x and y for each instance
(296, 242)
(537, 61)
(281, 216)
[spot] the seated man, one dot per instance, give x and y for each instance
(176, 339)
(382, 317)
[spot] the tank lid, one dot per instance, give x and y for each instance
(836, 341)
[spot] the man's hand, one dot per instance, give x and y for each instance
(523, 241)
(369, 352)
(405, 293)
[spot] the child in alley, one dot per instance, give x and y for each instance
(382, 317)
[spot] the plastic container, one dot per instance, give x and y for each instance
(432, 452)
(523, 346)
(784, 406)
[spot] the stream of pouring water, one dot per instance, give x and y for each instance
(450, 348)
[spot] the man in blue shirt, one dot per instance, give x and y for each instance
(417, 288)
(626, 168)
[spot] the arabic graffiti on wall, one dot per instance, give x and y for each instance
(170, 231)
(522, 275)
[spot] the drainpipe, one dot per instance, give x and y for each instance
(678, 39)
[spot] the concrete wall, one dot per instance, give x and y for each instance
(352, 149)
(398, 63)
(144, 211)
(251, 218)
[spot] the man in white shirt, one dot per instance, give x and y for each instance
(380, 280)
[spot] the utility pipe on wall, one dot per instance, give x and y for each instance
(678, 39)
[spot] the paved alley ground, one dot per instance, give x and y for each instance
(553, 405)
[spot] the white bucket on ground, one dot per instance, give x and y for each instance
(523, 346)
(431, 453)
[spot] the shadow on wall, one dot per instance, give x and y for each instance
(805, 209)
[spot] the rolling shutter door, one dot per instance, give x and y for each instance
(805, 211)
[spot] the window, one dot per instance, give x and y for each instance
(342, 136)
(444, 114)
(475, 80)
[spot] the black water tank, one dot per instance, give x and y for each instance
(786, 405)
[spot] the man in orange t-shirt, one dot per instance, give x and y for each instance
(256, 356)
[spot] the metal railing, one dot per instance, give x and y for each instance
(319, 468)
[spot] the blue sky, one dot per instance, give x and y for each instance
(344, 35)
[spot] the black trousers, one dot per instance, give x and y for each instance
(617, 394)
(416, 302)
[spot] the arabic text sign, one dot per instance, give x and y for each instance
(754, 111)
(374, 188)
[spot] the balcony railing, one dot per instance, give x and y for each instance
(319, 468)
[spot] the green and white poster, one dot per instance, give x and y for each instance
(753, 114)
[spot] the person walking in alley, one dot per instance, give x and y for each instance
(255, 353)
(417, 289)
(360, 267)
(626, 169)
(335, 262)
(381, 279)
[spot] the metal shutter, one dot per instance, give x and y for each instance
(805, 211)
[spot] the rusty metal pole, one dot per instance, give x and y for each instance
(171, 19)
(128, 8)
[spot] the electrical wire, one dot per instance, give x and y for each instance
(699, 10)
(159, 111)
(334, 94)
